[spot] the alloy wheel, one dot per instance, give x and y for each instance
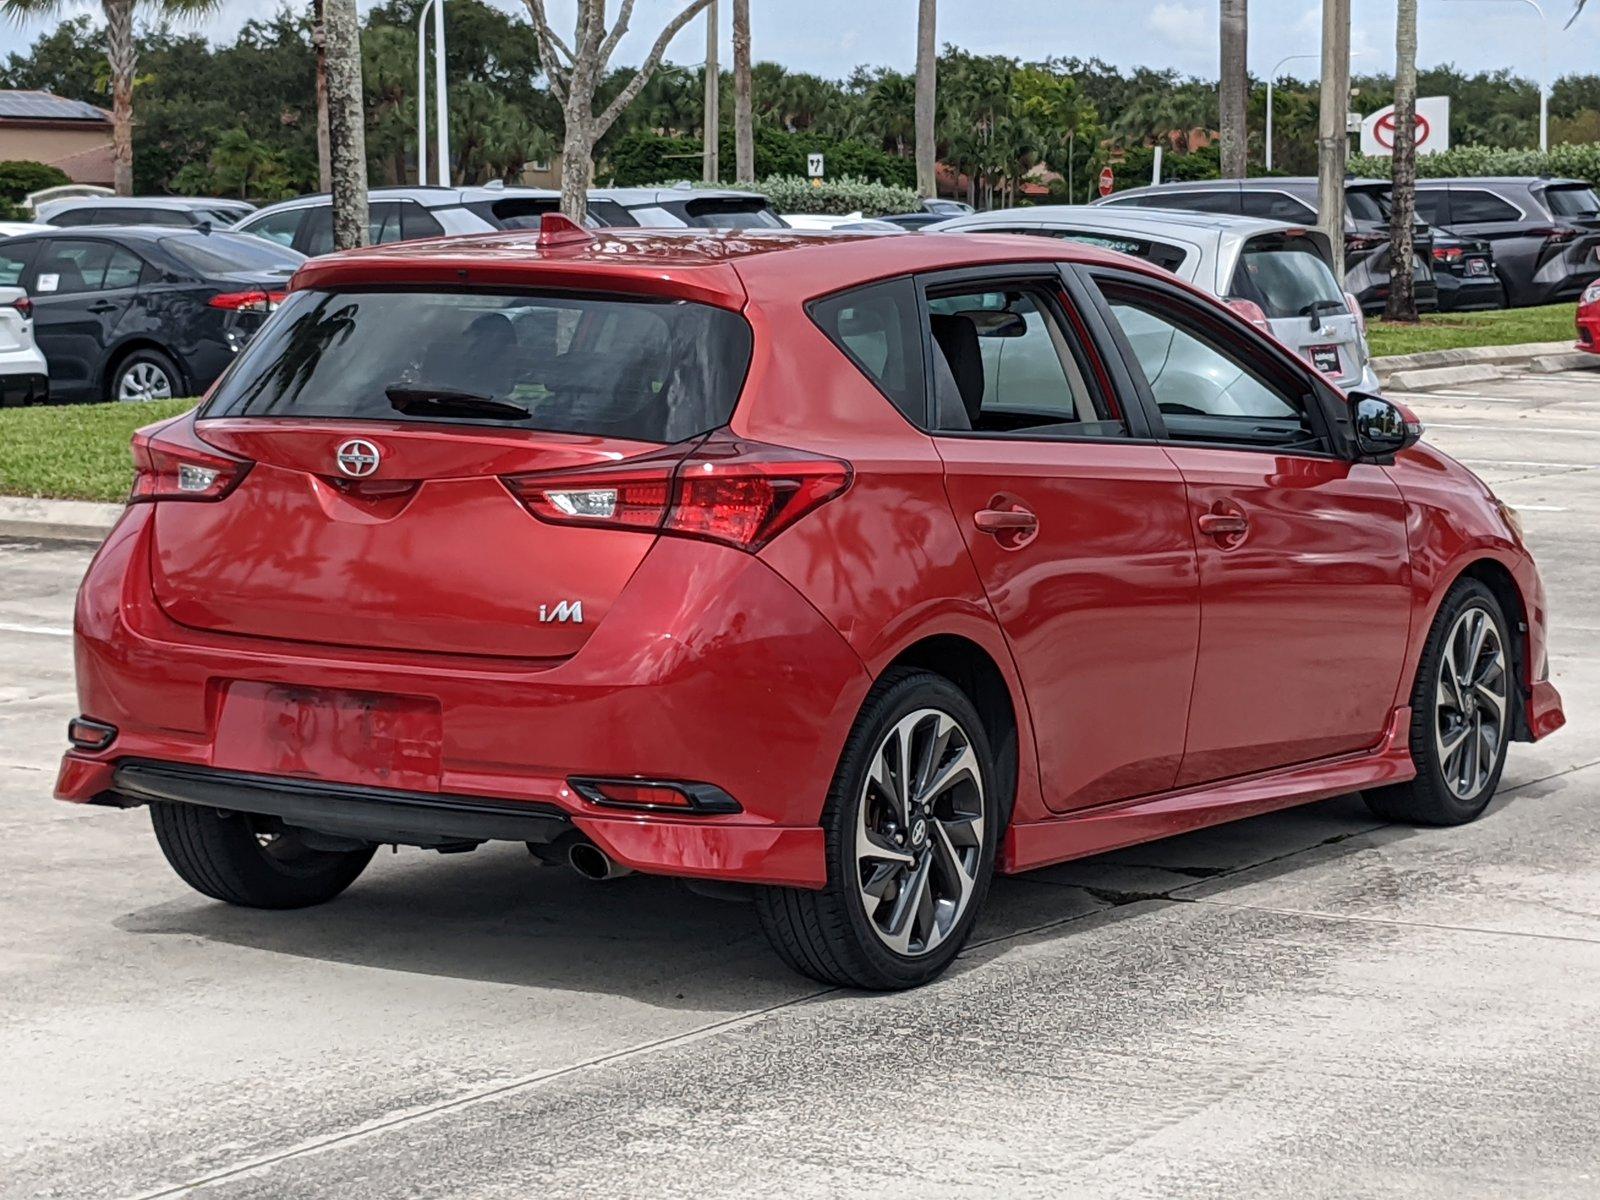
(919, 832)
(144, 381)
(1471, 706)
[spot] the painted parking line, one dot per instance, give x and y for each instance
(1475, 427)
(1525, 462)
(42, 630)
(1541, 508)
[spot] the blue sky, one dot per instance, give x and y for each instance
(831, 36)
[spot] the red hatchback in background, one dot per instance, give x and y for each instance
(1589, 319)
(850, 568)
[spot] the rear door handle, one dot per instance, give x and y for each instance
(1224, 524)
(1005, 520)
(103, 306)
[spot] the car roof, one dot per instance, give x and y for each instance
(132, 233)
(1153, 220)
(633, 197)
(179, 203)
(1512, 180)
(428, 196)
(723, 267)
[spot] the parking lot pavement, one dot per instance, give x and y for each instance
(1308, 1004)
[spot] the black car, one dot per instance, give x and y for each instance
(1463, 270)
(918, 220)
(1294, 199)
(142, 313)
(1545, 233)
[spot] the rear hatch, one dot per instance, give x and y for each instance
(1577, 206)
(375, 430)
(1287, 275)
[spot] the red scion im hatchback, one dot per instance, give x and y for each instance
(847, 569)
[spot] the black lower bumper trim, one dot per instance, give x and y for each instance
(341, 809)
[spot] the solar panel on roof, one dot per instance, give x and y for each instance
(42, 106)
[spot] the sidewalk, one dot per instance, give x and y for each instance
(1477, 364)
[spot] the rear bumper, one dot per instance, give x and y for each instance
(1545, 714)
(709, 668)
(1466, 293)
(25, 388)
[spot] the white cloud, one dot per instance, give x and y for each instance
(1180, 22)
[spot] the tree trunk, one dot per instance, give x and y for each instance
(1333, 143)
(320, 42)
(1402, 277)
(577, 160)
(711, 121)
(1234, 91)
(927, 96)
(123, 58)
(347, 135)
(744, 133)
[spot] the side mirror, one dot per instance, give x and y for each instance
(1382, 427)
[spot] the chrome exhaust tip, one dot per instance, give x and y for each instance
(591, 862)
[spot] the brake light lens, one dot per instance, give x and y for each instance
(170, 462)
(724, 489)
(257, 301)
(24, 306)
(1447, 254)
(1354, 306)
(1558, 234)
(1251, 312)
(1364, 241)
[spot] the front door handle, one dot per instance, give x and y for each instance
(1005, 520)
(1223, 524)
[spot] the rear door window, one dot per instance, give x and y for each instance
(1430, 206)
(1220, 201)
(1469, 206)
(68, 266)
(1367, 204)
(1276, 206)
(279, 227)
(14, 260)
(1163, 254)
(623, 368)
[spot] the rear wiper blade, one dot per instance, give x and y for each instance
(444, 402)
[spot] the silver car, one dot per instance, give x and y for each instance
(1275, 274)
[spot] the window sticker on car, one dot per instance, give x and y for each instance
(1324, 358)
(48, 283)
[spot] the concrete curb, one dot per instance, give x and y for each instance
(1477, 364)
(59, 520)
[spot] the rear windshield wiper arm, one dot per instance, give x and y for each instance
(1316, 308)
(443, 402)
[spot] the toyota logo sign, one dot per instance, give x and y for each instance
(357, 458)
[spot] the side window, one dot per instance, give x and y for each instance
(279, 227)
(177, 218)
(383, 223)
(14, 260)
(1468, 207)
(68, 267)
(123, 268)
(72, 217)
(1207, 388)
(1004, 362)
(417, 222)
(1276, 206)
(1430, 205)
(317, 233)
(1216, 202)
(879, 330)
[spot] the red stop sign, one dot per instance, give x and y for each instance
(1107, 181)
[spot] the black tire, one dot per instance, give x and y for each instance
(143, 361)
(828, 934)
(243, 860)
(1429, 799)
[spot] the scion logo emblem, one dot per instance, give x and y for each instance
(357, 458)
(566, 610)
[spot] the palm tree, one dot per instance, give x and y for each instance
(122, 55)
(744, 132)
(1402, 281)
(1234, 92)
(927, 71)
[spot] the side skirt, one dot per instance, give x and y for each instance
(1128, 822)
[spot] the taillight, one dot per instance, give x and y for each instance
(1251, 312)
(171, 463)
(1558, 234)
(24, 306)
(1447, 254)
(257, 301)
(1364, 241)
(1354, 306)
(724, 489)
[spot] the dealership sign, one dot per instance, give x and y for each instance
(1433, 128)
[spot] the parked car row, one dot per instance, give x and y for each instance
(1481, 243)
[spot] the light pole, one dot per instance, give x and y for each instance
(1544, 69)
(441, 98)
(1272, 79)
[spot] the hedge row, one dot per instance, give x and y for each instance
(642, 157)
(839, 197)
(1577, 161)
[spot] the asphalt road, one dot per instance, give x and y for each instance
(1305, 1005)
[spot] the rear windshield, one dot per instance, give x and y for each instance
(653, 371)
(1286, 278)
(1573, 201)
(225, 253)
(731, 214)
(1367, 204)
